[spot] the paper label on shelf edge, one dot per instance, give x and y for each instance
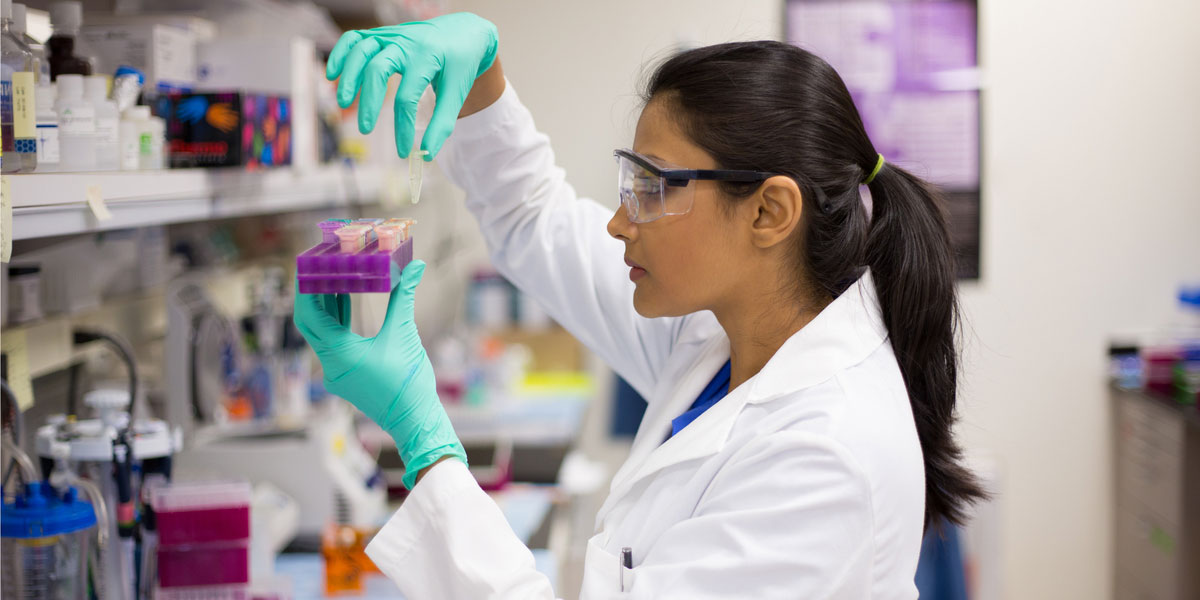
(19, 381)
(95, 200)
(5, 221)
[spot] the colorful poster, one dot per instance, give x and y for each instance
(912, 68)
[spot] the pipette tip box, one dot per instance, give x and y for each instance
(203, 533)
(204, 565)
(360, 256)
(198, 513)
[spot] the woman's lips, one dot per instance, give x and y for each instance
(636, 271)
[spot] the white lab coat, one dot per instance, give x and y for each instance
(804, 482)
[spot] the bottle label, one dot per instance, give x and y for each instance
(24, 112)
(130, 149)
(77, 120)
(47, 143)
(6, 107)
(106, 130)
(146, 144)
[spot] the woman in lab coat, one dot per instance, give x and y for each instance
(796, 349)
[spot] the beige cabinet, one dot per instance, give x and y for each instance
(1157, 499)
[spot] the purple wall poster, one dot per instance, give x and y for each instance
(911, 66)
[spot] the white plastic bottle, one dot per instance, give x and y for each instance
(135, 122)
(128, 141)
(76, 125)
(148, 156)
(47, 128)
(158, 143)
(107, 120)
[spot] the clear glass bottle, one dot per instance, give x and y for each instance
(65, 19)
(41, 66)
(17, 102)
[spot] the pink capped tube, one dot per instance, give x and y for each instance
(390, 236)
(353, 237)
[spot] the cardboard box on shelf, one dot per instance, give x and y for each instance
(165, 54)
(221, 129)
(282, 66)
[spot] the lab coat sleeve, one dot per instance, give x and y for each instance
(551, 244)
(788, 517)
(450, 540)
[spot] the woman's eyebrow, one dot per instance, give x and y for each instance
(660, 161)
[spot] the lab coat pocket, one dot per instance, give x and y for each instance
(605, 575)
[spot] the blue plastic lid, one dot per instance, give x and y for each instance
(40, 512)
(128, 70)
(1190, 296)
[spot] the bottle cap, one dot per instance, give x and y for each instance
(41, 513)
(70, 87)
(18, 18)
(66, 15)
(128, 71)
(95, 87)
(1190, 297)
(107, 399)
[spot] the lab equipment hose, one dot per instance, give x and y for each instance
(24, 464)
(83, 336)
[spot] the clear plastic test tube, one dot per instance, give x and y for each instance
(416, 167)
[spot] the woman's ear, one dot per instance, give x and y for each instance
(778, 205)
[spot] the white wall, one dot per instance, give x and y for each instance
(1089, 222)
(577, 65)
(1091, 219)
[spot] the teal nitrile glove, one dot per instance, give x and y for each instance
(449, 52)
(388, 377)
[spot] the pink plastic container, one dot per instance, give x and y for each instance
(202, 513)
(204, 565)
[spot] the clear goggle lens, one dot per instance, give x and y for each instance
(646, 196)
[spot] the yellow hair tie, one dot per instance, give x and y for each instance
(875, 171)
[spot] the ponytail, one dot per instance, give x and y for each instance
(912, 261)
(769, 106)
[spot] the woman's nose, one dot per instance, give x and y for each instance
(620, 227)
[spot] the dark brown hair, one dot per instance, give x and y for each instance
(774, 107)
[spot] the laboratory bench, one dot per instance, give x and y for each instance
(527, 508)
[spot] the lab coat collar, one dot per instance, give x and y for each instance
(841, 336)
(844, 334)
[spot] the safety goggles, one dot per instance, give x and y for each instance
(650, 191)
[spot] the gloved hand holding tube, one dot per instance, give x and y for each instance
(448, 52)
(388, 377)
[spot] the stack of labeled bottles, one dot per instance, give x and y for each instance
(57, 116)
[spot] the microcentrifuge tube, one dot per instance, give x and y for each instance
(416, 167)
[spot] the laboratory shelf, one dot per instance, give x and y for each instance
(49, 204)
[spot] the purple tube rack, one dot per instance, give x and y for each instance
(325, 269)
